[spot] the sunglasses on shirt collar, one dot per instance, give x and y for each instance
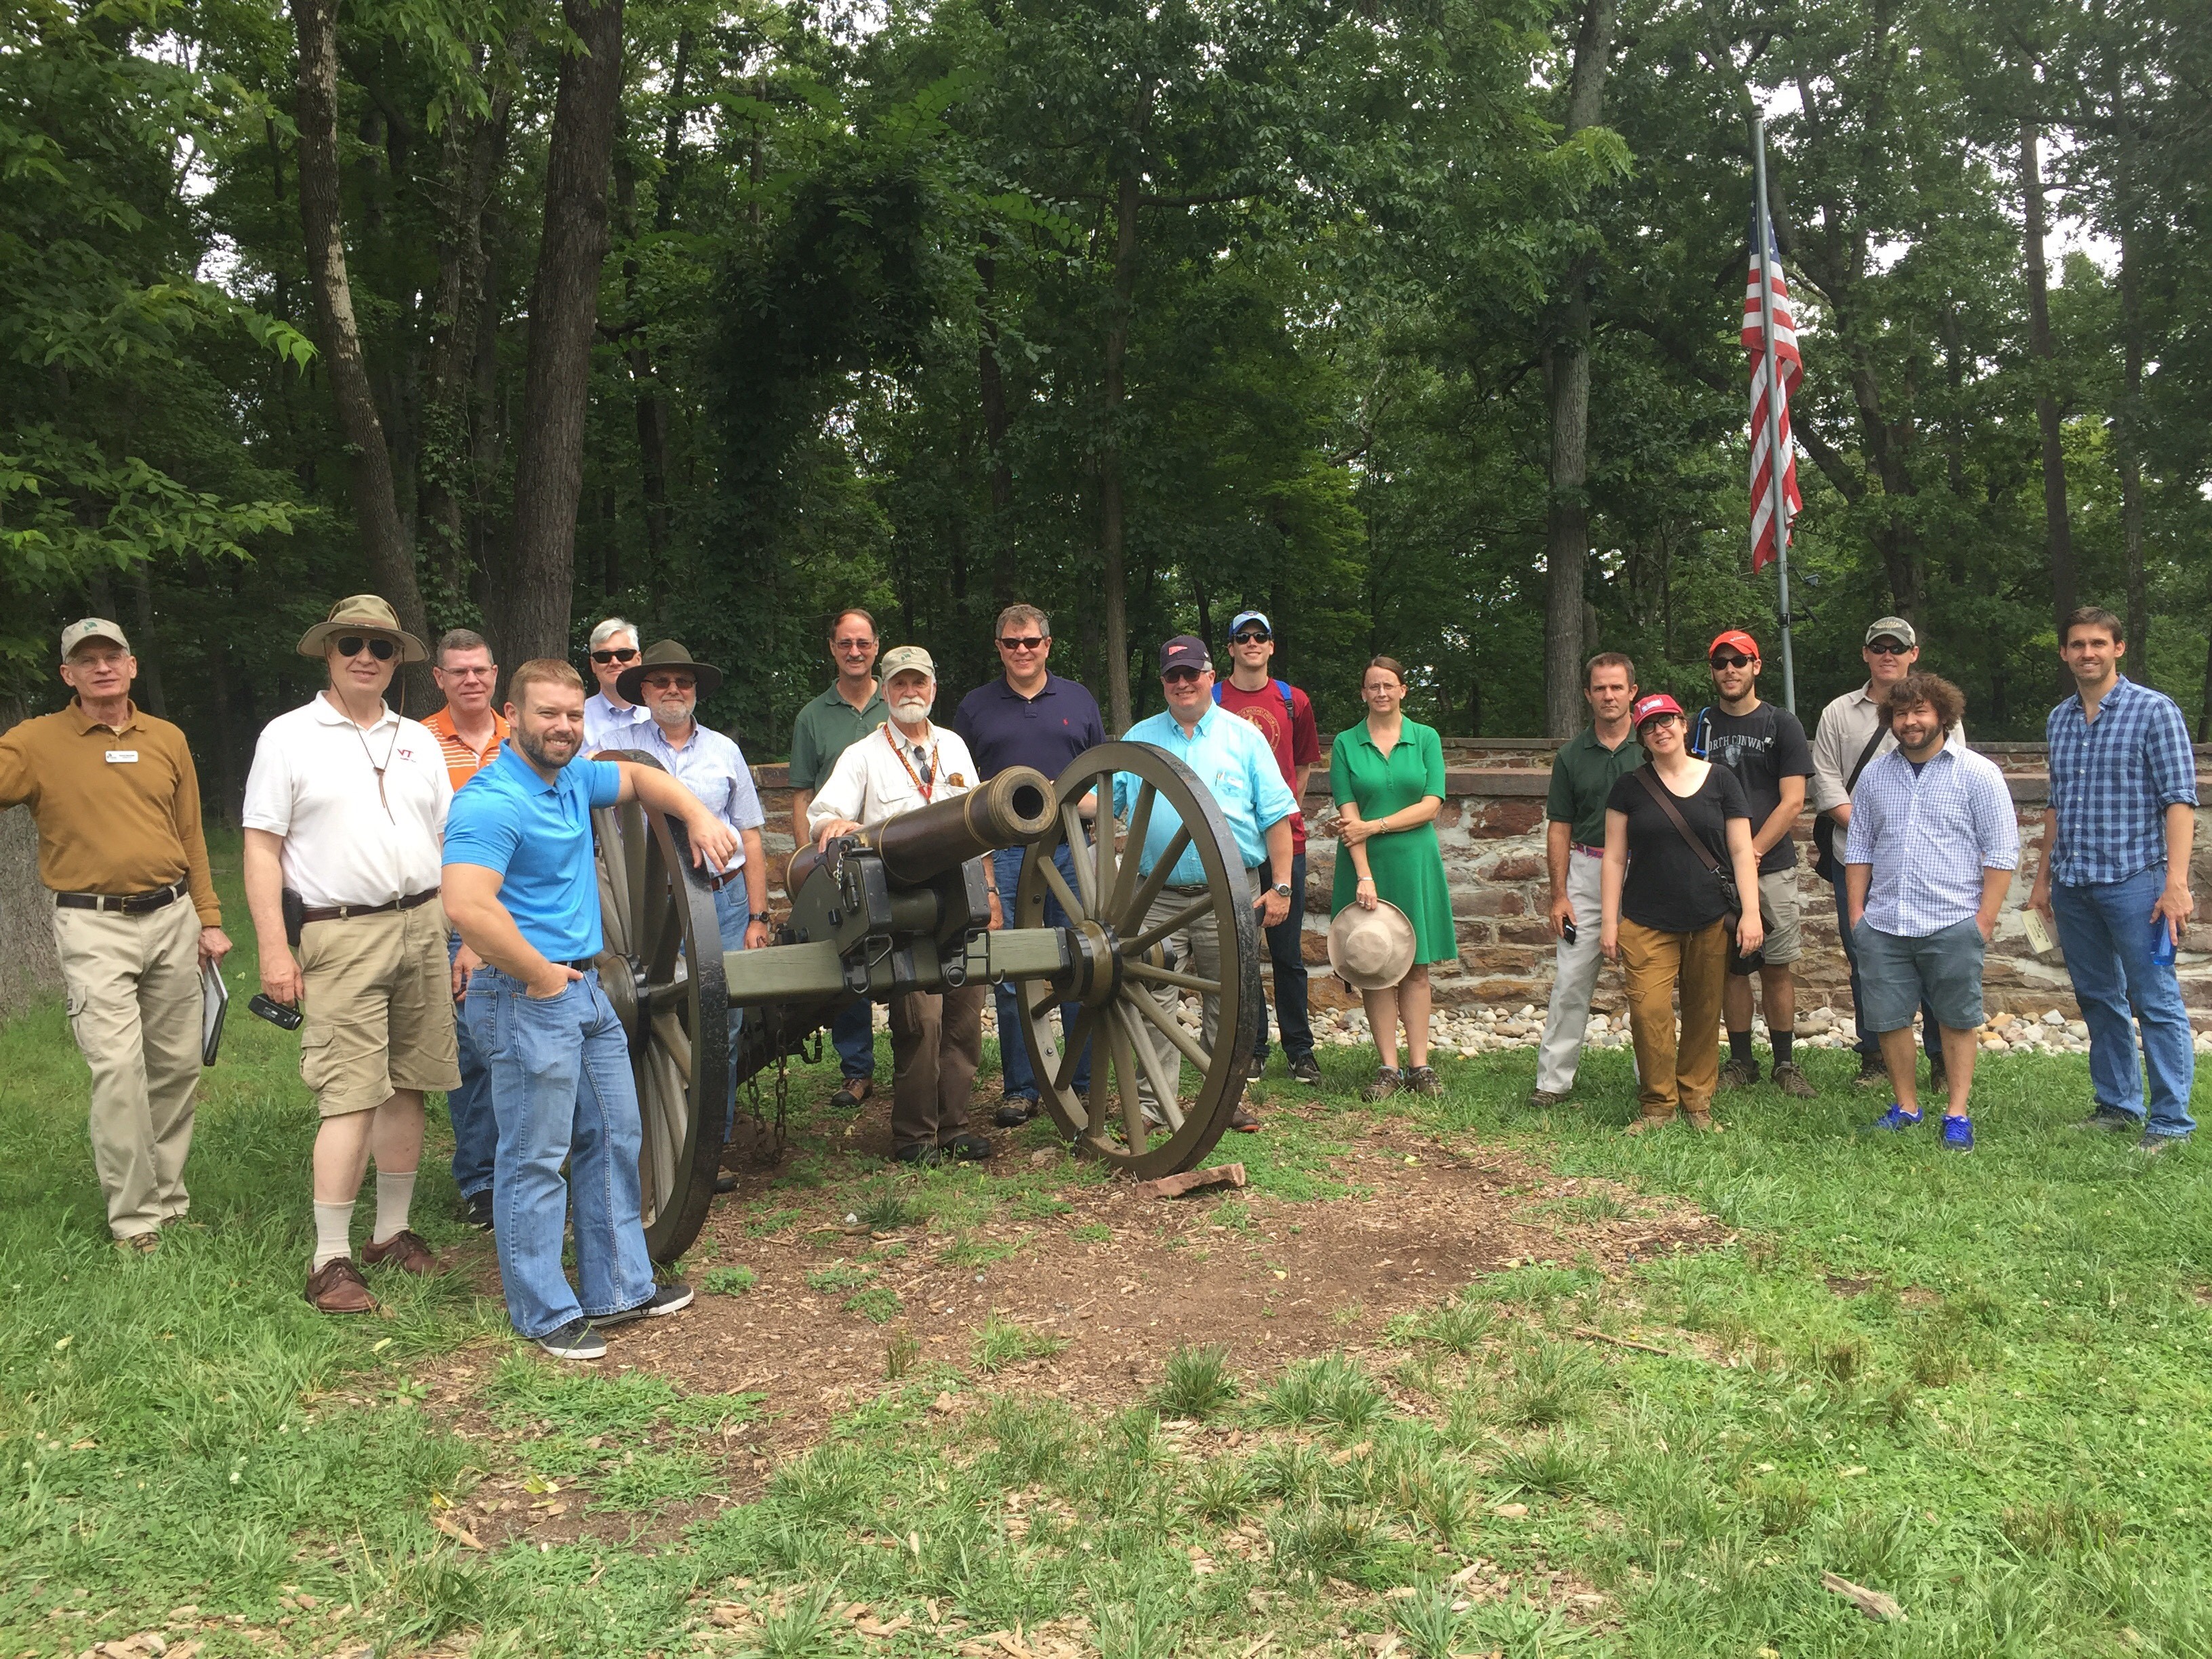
(352, 645)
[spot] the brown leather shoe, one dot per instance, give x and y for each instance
(1243, 1119)
(336, 1287)
(405, 1249)
(1650, 1121)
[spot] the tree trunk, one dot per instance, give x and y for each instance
(2127, 427)
(651, 403)
(2057, 532)
(549, 467)
(385, 547)
(1566, 541)
(1110, 526)
(150, 695)
(993, 389)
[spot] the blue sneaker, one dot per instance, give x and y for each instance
(1958, 1134)
(1896, 1118)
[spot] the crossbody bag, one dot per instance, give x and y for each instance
(1824, 827)
(1731, 898)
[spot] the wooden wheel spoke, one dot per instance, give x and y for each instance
(674, 1041)
(1140, 824)
(1077, 910)
(1168, 1090)
(635, 838)
(1102, 850)
(1086, 1024)
(1211, 988)
(1133, 918)
(1086, 875)
(1173, 924)
(1171, 1028)
(1132, 1099)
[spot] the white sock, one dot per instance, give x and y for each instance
(333, 1233)
(394, 1193)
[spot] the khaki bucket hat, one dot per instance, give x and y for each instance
(1370, 950)
(705, 678)
(362, 613)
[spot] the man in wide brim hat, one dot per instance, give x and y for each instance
(1371, 950)
(705, 678)
(362, 613)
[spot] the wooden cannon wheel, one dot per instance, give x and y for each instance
(661, 966)
(1122, 921)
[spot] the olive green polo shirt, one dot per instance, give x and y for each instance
(825, 729)
(1583, 774)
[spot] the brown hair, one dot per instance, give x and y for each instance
(1391, 662)
(2093, 616)
(1609, 659)
(1938, 693)
(458, 639)
(867, 616)
(549, 669)
(1022, 613)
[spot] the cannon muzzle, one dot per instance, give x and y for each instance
(1014, 809)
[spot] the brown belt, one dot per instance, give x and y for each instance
(129, 904)
(341, 912)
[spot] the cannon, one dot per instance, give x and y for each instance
(903, 908)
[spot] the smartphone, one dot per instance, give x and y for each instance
(1567, 931)
(274, 1012)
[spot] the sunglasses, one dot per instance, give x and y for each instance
(1730, 659)
(1888, 648)
(1180, 676)
(669, 682)
(1022, 642)
(354, 644)
(1249, 636)
(605, 657)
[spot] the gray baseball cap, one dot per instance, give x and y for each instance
(91, 627)
(1895, 628)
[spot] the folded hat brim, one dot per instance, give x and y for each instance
(1403, 942)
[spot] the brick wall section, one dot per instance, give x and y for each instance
(1492, 829)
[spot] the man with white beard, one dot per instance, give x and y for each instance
(937, 1037)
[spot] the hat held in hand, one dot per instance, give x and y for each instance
(1370, 950)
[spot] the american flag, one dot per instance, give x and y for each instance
(1764, 548)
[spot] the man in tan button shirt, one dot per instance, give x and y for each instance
(120, 846)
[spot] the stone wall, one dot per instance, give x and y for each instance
(1492, 829)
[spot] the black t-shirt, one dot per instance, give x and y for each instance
(1669, 886)
(1761, 748)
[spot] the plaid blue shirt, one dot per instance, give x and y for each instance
(2111, 779)
(1929, 835)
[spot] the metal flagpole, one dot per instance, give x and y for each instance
(1780, 511)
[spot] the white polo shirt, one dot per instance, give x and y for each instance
(314, 782)
(878, 777)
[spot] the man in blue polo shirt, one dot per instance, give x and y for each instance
(520, 884)
(1234, 762)
(1028, 717)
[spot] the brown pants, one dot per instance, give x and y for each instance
(937, 1043)
(1672, 1074)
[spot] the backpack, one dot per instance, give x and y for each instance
(1289, 713)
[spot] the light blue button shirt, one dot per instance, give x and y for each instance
(1232, 760)
(712, 768)
(606, 726)
(1929, 835)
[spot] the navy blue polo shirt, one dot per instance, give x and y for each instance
(538, 836)
(1003, 728)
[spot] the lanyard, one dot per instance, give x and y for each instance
(899, 749)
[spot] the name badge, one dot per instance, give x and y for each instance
(121, 757)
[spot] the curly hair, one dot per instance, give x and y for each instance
(1938, 693)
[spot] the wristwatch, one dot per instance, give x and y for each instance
(1283, 888)
(760, 915)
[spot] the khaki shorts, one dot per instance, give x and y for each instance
(380, 1006)
(1778, 897)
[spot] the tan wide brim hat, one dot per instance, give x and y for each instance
(362, 613)
(1370, 950)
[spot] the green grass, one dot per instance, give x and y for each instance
(1980, 1384)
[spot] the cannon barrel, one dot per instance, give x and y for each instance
(1012, 809)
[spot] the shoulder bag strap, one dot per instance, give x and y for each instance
(1649, 779)
(1865, 755)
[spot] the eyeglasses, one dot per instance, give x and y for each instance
(1249, 636)
(1661, 720)
(1026, 643)
(1180, 676)
(1730, 659)
(669, 682)
(353, 645)
(484, 673)
(1888, 648)
(605, 657)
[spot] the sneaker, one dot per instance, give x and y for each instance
(725, 1183)
(1793, 1082)
(1422, 1080)
(1306, 1071)
(1256, 1069)
(1739, 1073)
(1544, 1099)
(1243, 1119)
(476, 1210)
(574, 1340)
(1896, 1118)
(406, 1249)
(138, 1244)
(971, 1149)
(665, 1299)
(1014, 1111)
(336, 1287)
(2155, 1146)
(853, 1094)
(1872, 1074)
(2110, 1120)
(1958, 1134)
(1388, 1081)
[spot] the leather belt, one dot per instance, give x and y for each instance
(1251, 873)
(716, 884)
(129, 904)
(582, 964)
(1589, 852)
(344, 912)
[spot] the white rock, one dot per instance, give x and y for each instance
(2052, 1017)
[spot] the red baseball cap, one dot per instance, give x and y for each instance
(1657, 703)
(1736, 637)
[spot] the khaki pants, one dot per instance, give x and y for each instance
(380, 1005)
(134, 1005)
(937, 1043)
(1673, 1073)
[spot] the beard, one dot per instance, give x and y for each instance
(550, 749)
(912, 710)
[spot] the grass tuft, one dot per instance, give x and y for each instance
(1332, 1391)
(729, 1281)
(1197, 1383)
(1003, 1342)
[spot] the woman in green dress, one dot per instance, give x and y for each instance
(1387, 776)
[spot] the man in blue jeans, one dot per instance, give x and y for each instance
(1029, 716)
(519, 883)
(2114, 878)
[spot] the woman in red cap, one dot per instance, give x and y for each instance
(1672, 826)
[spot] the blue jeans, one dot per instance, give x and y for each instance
(1869, 1042)
(730, 916)
(2104, 927)
(476, 1130)
(1286, 942)
(561, 1087)
(1020, 1074)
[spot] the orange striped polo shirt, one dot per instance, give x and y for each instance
(463, 762)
